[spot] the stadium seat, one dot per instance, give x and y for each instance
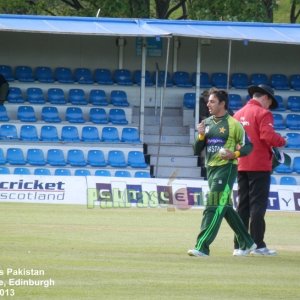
(142, 174)
(239, 80)
(293, 121)
(259, 78)
(15, 95)
(117, 116)
(279, 82)
(95, 158)
(279, 123)
(26, 113)
(8, 132)
(118, 98)
(219, 80)
(130, 135)
(273, 180)
(110, 134)
(22, 171)
(29, 133)
(102, 173)
(98, 115)
(122, 173)
(35, 95)
(41, 171)
(4, 170)
(63, 75)
(83, 75)
(35, 157)
(3, 114)
(70, 134)
(7, 72)
(282, 168)
(50, 114)
(2, 157)
(98, 97)
(204, 80)
(288, 180)
(55, 157)
(293, 103)
(137, 78)
(160, 78)
(189, 100)
(293, 140)
(56, 96)
(281, 106)
(103, 76)
(182, 79)
(136, 159)
(90, 134)
(116, 159)
(75, 157)
(74, 115)
(77, 97)
(295, 82)
(15, 156)
(49, 133)
(122, 77)
(44, 74)
(82, 172)
(24, 74)
(296, 164)
(235, 101)
(62, 172)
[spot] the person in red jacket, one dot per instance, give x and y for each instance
(254, 170)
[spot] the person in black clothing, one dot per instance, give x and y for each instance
(3, 89)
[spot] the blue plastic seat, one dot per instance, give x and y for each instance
(110, 134)
(96, 158)
(282, 168)
(41, 171)
(279, 82)
(288, 180)
(102, 173)
(130, 135)
(75, 157)
(98, 97)
(56, 157)
(279, 123)
(239, 80)
(293, 121)
(83, 75)
(122, 173)
(296, 164)
(63, 75)
(293, 140)
(293, 103)
(137, 78)
(259, 78)
(49, 133)
(15, 156)
(35, 157)
(189, 100)
(62, 172)
(295, 82)
(122, 77)
(22, 171)
(235, 101)
(182, 79)
(98, 115)
(117, 116)
(56, 96)
(118, 98)
(136, 159)
(15, 95)
(77, 97)
(219, 80)
(26, 113)
(273, 180)
(103, 76)
(4, 170)
(2, 157)
(24, 74)
(29, 133)
(3, 114)
(159, 77)
(90, 134)
(116, 159)
(142, 174)
(35, 95)
(204, 80)
(281, 106)
(74, 115)
(8, 132)
(70, 134)
(7, 72)
(44, 74)
(50, 114)
(82, 172)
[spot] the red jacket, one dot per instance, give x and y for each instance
(258, 123)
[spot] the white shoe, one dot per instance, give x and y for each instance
(240, 252)
(197, 253)
(263, 251)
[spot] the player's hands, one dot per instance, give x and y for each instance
(226, 154)
(201, 128)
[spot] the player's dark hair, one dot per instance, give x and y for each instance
(222, 96)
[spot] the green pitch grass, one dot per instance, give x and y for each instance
(137, 254)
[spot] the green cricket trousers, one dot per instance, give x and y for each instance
(219, 205)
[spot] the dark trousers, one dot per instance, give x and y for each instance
(253, 193)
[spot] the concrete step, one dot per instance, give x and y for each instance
(166, 139)
(166, 130)
(170, 149)
(174, 161)
(167, 120)
(177, 172)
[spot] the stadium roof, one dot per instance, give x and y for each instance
(251, 31)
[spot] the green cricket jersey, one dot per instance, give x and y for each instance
(225, 132)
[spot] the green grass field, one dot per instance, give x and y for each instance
(138, 254)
